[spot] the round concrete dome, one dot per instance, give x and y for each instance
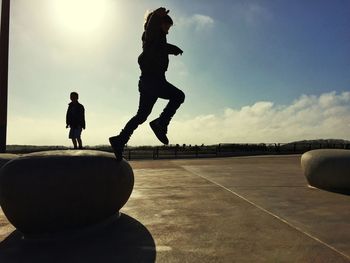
(57, 191)
(327, 169)
(5, 158)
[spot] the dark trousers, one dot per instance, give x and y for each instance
(151, 88)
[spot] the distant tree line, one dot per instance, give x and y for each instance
(202, 151)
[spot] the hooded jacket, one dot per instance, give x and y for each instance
(155, 56)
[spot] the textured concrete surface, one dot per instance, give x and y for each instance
(252, 209)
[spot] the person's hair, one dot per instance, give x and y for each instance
(74, 94)
(166, 19)
(148, 16)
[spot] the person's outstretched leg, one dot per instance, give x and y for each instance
(176, 97)
(146, 104)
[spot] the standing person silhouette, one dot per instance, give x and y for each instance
(153, 62)
(75, 120)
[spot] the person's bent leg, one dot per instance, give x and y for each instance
(176, 97)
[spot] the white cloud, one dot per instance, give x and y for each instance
(252, 13)
(255, 13)
(198, 21)
(308, 117)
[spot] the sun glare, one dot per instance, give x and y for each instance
(80, 16)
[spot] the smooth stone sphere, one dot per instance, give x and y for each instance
(59, 191)
(327, 169)
(5, 158)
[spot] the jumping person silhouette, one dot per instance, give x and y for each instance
(153, 62)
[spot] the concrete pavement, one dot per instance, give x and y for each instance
(247, 209)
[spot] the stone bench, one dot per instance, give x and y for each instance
(57, 191)
(327, 169)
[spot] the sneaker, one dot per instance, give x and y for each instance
(160, 131)
(117, 146)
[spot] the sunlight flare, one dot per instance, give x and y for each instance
(80, 16)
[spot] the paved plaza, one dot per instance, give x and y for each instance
(242, 209)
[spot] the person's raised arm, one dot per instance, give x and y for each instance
(173, 50)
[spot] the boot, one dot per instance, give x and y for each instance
(117, 143)
(160, 131)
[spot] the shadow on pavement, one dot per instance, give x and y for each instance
(125, 240)
(342, 192)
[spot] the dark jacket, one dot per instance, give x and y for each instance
(75, 117)
(155, 56)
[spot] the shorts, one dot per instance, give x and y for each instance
(75, 133)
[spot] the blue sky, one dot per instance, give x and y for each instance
(274, 50)
(252, 70)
